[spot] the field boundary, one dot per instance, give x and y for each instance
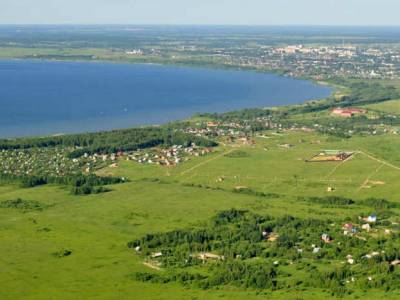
(206, 162)
(379, 160)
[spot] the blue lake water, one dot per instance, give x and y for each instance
(41, 97)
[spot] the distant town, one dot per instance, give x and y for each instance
(372, 55)
(318, 62)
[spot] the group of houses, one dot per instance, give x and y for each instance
(233, 131)
(167, 156)
(367, 226)
(54, 161)
(40, 162)
(216, 129)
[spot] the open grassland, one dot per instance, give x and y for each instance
(96, 228)
(392, 107)
(270, 167)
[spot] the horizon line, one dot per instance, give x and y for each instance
(204, 25)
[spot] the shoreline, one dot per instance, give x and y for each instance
(332, 92)
(178, 64)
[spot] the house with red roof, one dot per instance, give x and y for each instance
(348, 112)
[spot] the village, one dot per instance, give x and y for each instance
(359, 246)
(55, 161)
(367, 227)
(320, 62)
(40, 161)
(243, 131)
(167, 156)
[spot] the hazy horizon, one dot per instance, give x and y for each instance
(201, 25)
(365, 13)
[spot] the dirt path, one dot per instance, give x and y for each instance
(340, 164)
(151, 266)
(380, 160)
(364, 184)
(206, 162)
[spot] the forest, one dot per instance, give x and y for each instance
(360, 93)
(248, 250)
(110, 141)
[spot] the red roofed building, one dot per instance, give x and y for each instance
(348, 112)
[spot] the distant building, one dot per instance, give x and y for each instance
(348, 112)
(326, 238)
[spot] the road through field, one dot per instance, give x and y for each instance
(380, 160)
(206, 162)
(366, 181)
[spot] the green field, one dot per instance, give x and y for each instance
(97, 228)
(56, 243)
(392, 106)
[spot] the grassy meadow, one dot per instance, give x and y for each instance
(392, 106)
(96, 228)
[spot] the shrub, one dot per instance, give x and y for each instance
(21, 204)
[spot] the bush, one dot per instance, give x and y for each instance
(330, 201)
(88, 189)
(379, 203)
(237, 154)
(62, 253)
(21, 204)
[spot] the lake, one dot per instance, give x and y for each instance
(43, 97)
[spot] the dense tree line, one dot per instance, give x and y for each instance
(111, 141)
(89, 189)
(329, 201)
(244, 114)
(70, 180)
(338, 201)
(360, 93)
(379, 203)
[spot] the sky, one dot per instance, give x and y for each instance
(211, 12)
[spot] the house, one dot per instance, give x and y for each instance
(348, 226)
(348, 112)
(396, 262)
(371, 218)
(220, 179)
(273, 237)
(316, 250)
(286, 146)
(326, 238)
(156, 255)
(366, 227)
(206, 256)
(212, 124)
